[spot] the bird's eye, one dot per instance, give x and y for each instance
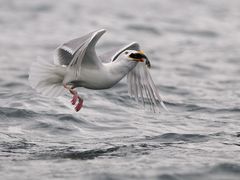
(126, 52)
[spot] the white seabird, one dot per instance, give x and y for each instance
(76, 64)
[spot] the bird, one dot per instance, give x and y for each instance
(76, 64)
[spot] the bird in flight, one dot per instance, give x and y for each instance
(76, 64)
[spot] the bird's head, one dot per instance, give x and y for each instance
(136, 56)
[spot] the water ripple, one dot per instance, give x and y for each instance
(70, 153)
(174, 137)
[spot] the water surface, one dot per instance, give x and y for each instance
(194, 50)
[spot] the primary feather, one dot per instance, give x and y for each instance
(142, 87)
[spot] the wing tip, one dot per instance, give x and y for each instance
(100, 32)
(134, 45)
(164, 106)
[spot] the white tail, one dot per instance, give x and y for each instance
(47, 78)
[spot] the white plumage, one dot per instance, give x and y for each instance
(76, 64)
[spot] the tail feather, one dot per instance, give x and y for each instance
(47, 78)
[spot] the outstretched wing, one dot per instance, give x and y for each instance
(79, 52)
(112, 55)
(142, 87)
(140, 83)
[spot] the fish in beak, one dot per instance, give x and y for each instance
(139, 56)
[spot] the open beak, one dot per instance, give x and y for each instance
(139, 57)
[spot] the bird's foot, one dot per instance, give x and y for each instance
(75, 98)
(79, 105)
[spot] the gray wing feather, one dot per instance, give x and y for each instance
(72, 51)
(141, 86)
(79, 52)
(112, 55)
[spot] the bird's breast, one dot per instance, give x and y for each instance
(95, 79)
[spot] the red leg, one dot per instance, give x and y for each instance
(79, 105)
(75, 98)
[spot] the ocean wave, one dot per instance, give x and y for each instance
(224, 171)
(70, 153)
(175, 137)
